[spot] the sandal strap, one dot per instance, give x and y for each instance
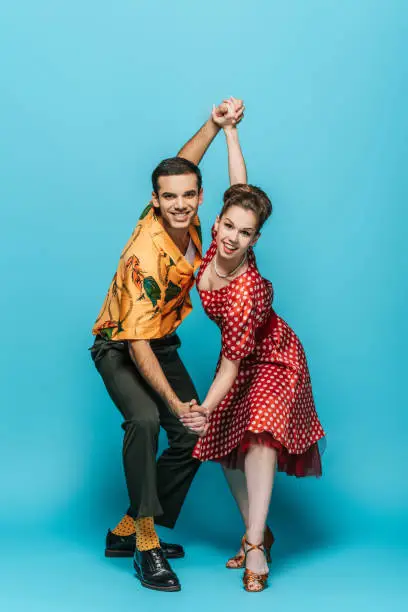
(250, 575)
(260, 546)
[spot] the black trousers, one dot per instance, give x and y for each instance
(156, 488)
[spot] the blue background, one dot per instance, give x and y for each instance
(93, 95)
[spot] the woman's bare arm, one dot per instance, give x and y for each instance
(236, 162)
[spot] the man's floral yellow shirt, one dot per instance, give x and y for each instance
(149, 294)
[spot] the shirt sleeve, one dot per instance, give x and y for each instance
(238, 330)
(140, 311)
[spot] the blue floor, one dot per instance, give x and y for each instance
(65, 575)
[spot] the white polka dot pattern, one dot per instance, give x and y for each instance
(272, 392)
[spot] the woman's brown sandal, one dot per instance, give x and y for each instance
(253, 582)
(238, 561)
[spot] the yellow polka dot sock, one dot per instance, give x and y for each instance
(146, 536)
(125, 527)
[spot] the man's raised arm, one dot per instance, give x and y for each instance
(196, 147)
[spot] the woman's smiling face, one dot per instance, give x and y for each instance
(237, 230)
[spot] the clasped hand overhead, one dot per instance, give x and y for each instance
(229, 113)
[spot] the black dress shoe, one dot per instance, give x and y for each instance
(124, 546)
(172, 551)
(120, 546)
(154, 571)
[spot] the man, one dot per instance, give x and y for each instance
(135, 352)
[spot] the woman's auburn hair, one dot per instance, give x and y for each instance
(248, 197)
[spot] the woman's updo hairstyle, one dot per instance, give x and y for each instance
(249, 198)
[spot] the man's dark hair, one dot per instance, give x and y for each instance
(174, 166)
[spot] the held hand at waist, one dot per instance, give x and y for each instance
(180, 408)
(196, 419)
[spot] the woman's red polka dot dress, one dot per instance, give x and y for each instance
(271, 401)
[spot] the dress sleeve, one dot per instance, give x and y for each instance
(141, 298)
(238, 330)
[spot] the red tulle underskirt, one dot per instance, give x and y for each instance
(306, 464)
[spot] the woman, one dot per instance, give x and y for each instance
(260, 408)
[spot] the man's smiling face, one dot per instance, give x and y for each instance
(178, 199)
